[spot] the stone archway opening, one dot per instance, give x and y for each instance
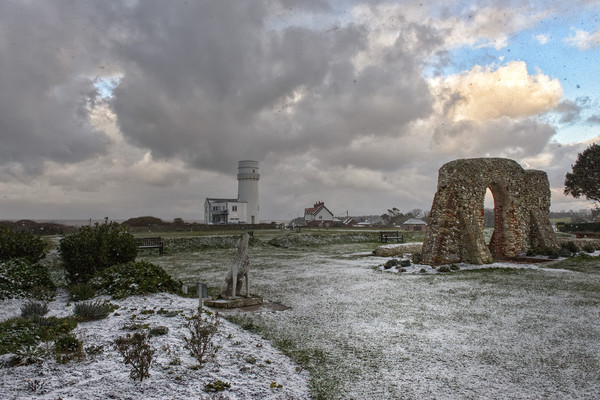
(497, 199)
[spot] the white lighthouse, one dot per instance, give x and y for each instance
(248, 189)
(244, 209)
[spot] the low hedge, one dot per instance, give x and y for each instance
(134, 278)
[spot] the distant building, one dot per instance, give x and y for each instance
(244, 209)
(349, 222)
(414, 224)
(318, 216)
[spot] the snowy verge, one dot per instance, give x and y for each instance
(246, 361)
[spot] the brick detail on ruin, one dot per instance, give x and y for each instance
(521, 205)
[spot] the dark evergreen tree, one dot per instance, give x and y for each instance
(585, 178)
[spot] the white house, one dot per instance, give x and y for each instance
(244, 209)
(318, 215)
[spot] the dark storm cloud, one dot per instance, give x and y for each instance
(46, 94)
(210, 83)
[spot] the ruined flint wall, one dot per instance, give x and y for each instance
(521, 205)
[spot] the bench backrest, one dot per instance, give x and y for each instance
(149, 241)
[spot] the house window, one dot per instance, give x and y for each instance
(320, 217)
(233, 208)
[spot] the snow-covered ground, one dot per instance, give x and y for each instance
(521, 331)
(246, 361)
(518, 331)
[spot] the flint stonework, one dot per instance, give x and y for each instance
(521, 205)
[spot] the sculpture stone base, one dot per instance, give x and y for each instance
(234, 303)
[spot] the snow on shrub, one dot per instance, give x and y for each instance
(92, 249)
(134, 278)
(20, 278)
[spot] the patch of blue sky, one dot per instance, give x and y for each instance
(105, 85)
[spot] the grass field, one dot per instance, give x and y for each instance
(499, 332)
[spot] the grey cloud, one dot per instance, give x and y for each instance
(45, 91)
(594, 119)
(570, 111)
(213, 85)
(501, 137)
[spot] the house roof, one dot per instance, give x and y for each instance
(213, 200)
(414, 221)
(315, 210)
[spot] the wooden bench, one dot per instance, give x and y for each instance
(384, 236)
(150, 243)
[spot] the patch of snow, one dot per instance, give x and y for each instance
(246, 361)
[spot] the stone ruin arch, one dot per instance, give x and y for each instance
(521, 205)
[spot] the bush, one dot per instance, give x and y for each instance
(571, 247)
(405, 263)
(16, 333)
(51, 328)
(137, 353)
(201, 332)
(92, 249)
(20, 278)
(67, 348)
(216, 386)
(81, 291)
(91, 311)
(20, 245)
(588, 248)
(443, 268)
(134, 278)
(34, 310)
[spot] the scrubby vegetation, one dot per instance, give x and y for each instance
(22, 244)
(16, 333)
(91, 310)
(20, 278)
(92, 249)
(137, 353)
(134, 278)
(202, 330)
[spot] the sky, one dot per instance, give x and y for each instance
(132, 108)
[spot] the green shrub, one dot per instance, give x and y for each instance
(16, 333)
(134, 278)
(34, 310)
(588, 248)
(443, 268)
(454, 267)
(216, 386)
(67, 348)
(20, 278)
(91, 310)
(92, 249)
(405, 263)
(81, 291)
(20, 245)
(571, 247)
(52, 327)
